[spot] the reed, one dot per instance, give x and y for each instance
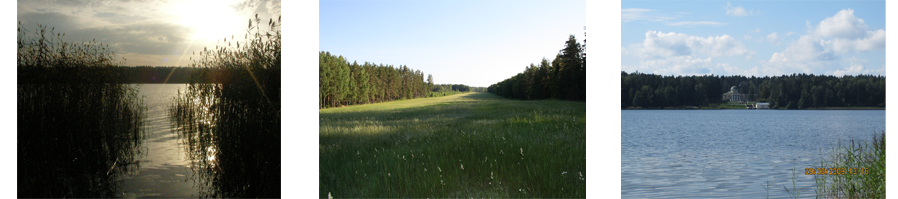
(78, 127)
(228, 118)
(865, 164)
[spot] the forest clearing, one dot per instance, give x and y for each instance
(474, 144)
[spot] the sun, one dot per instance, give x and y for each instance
(209, 20)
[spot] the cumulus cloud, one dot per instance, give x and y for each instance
(659, 44)
(755, 30)
(737, 11)
(807, 49)
(858, 66)
(843, 25)
(821, 48)
(680, 54)
(681, 65)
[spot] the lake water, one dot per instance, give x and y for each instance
(732, 153)
(164, 169)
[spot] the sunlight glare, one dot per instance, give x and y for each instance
(210, 20)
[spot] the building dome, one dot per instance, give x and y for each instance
(733, 88)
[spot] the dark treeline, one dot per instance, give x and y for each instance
(155, 75)
(564, 78)
(796, 91)
(128, 74)
(456, 87)
(344, 83)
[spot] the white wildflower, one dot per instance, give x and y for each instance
(388, 175)
(564, 172)
(522, 151)
(329, 195)
(441, 170)
(462, 166)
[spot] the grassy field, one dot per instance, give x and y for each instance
(466, 145)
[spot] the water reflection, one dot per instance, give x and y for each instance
(231, 138)
(77, 140)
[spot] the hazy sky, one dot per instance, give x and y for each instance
(753, 37)
(155, 33)
(476, 43)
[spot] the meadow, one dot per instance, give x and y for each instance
(474, 144)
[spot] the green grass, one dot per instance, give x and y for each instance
(441, 94)
(855, 183)
(466, 145)
(864, 173)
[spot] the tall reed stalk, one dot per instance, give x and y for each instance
(228, 118)
(78, 128)
(865, 164)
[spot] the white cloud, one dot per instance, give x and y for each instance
(808, 48)
(755, 30)
(773, 38)
(688, 65)
(680, 54)
(809, 53)
(637, 14)
(820, 49)
(843, 25)
(658, 45)
(858, 66)
(692, 23)
(790, 33)
(747, 37)
(738, 11)
(680, 65)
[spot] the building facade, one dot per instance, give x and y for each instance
(734, 95)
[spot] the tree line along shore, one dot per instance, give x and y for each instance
(795, 91)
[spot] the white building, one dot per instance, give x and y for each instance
(762, 105)
(734, 95)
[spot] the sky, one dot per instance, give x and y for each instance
(753, 38)
(476, 43)
(148, 33)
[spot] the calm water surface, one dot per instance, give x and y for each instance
(164, 171)
(732, 153)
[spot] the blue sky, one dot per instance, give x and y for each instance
(476, 43)
(753, 37)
